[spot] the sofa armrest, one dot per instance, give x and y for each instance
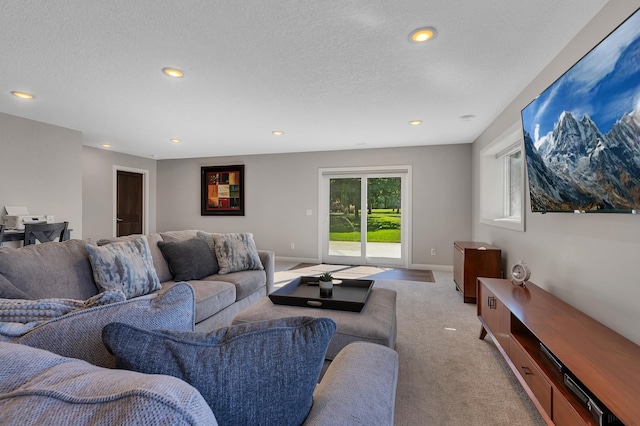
(268, 262)
(39, 387)
(359, 387)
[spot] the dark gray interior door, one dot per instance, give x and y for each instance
(129, 200)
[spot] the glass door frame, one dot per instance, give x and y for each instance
(324, 177)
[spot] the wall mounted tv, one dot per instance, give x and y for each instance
(582, 134)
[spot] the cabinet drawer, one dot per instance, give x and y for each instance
(532, 375)
(563, 413)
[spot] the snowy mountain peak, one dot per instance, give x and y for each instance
(577, 165)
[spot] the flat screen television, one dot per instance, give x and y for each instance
(582, 134)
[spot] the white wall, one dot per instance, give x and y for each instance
(98, 191)
(40, 169)
(280, 188)
(590, 261)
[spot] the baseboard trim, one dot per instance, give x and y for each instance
(298, 259)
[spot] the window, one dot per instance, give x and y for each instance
(502, 181)
(513, 184)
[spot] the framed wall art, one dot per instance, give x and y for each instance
(222, 189)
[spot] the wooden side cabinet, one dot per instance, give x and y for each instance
(528, 324)
(472, 260)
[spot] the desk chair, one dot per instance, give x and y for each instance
(45, 232)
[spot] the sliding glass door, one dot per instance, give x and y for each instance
(364, 218)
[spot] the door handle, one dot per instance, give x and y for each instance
(118, 219)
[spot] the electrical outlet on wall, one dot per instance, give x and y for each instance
(293, 246)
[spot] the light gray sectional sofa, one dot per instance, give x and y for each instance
(59, 368)
(63, 270)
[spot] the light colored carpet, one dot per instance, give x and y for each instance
(447, 375)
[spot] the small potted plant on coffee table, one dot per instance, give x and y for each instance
(325, 281)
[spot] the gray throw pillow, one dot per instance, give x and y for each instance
(236, 252)
(159, 263)
(79, 334)
(188, 259)
(9, 291)
(125, 266)
(261, 373)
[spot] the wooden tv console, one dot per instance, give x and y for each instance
(520, 318)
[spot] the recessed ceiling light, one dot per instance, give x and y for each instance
(278, 132)
(467, 117)
(172, 72)
(106, 145)
(415, 122)
(422, 34)
(22, 95)
(175, 140)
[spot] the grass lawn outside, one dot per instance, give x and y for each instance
(383, 226)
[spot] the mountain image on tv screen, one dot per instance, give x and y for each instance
(582, 134)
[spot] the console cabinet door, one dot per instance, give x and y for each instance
(532, 375)
(496, 316)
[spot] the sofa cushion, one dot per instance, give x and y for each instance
(211, 296)
(41, 388)
(124, 265)
(246, 282)
(9, 291)
(236, 252)
(27, 311)
(159, 262)
(78, 334)
(188, 259)
(208, 237)
(260, 373)
(376, 323)
(185, 234)
(50, 270)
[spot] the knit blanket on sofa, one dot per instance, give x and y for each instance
(19, 316)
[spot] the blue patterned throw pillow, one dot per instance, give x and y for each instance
(125, 266)
(236, 252)
(261, 373)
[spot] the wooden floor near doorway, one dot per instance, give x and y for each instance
(384, 273)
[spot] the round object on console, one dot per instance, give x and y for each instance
(520, 273)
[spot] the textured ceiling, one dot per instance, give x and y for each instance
(331, 74)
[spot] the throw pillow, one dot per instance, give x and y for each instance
(26, 311)
(236, 252)
(261, 373)
(125, 266)
(9, 291)
(208, 237)
(159, 263)
(189, 259)
(79, 334)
